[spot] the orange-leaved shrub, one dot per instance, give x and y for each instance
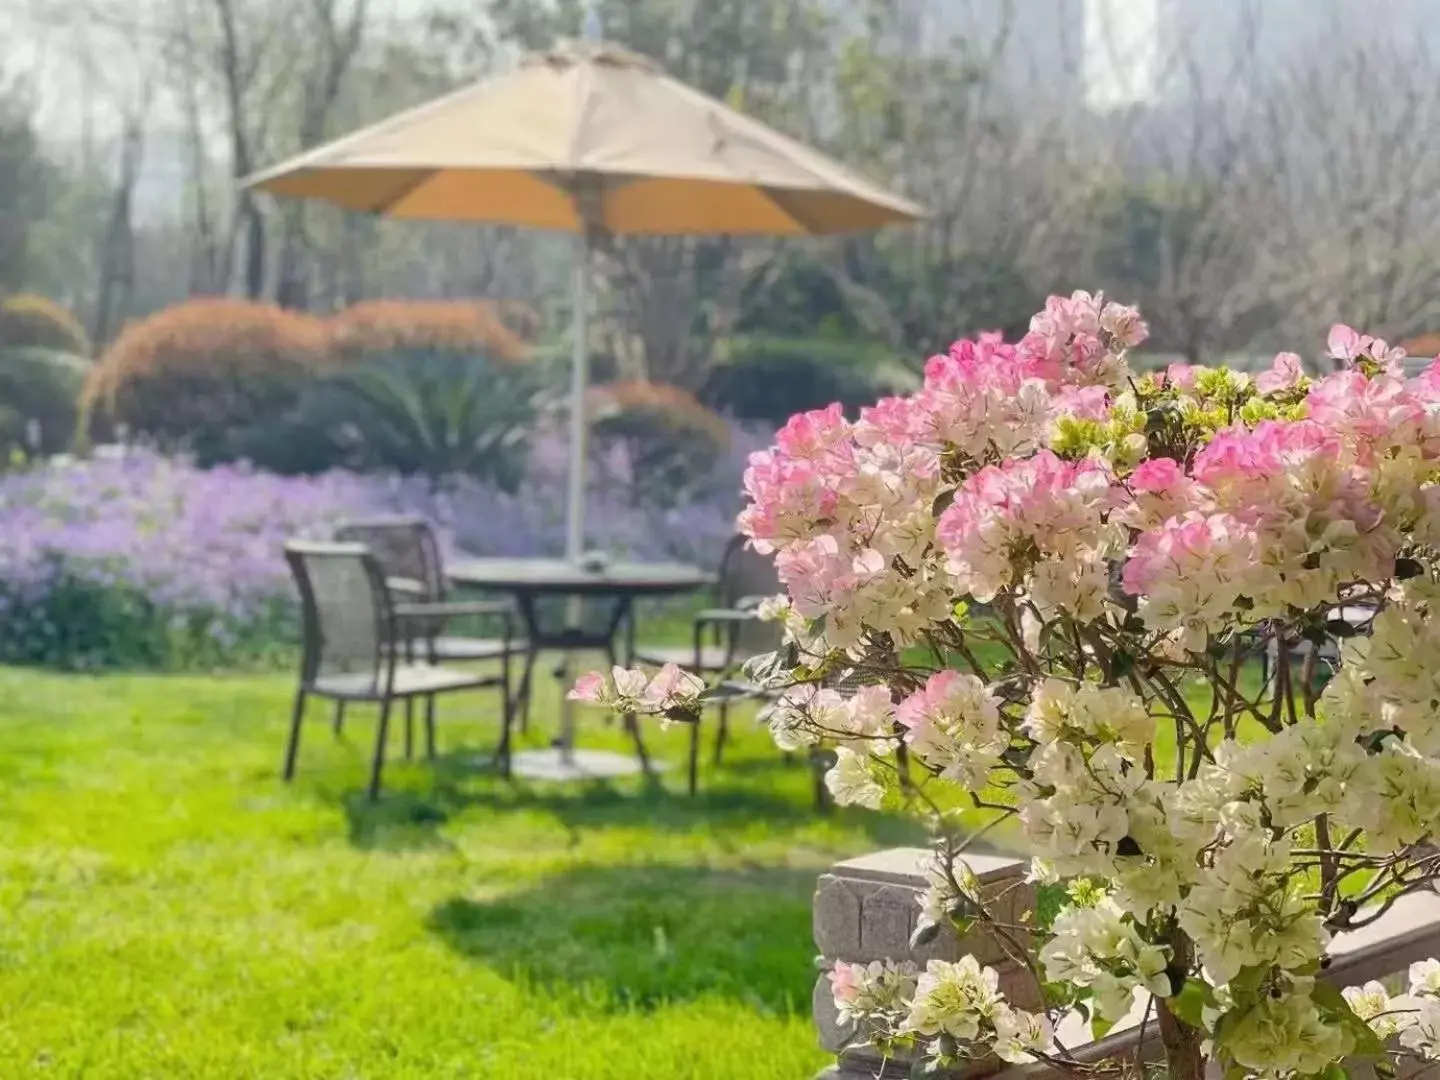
(28, 321)
(1426, 345)
(671, 436)
(394, 327)
(294, 392)
(198, 373)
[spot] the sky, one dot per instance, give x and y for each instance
(1120, 50)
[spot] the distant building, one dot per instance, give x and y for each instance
(1200, 45)
(1037, 46)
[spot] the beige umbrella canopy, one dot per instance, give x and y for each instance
(589, 134)
(592, 139)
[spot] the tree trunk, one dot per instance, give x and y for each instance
(1183, 1060)
(254, 251)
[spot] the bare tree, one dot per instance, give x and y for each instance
(338, 39)
(992, 163)
(1359, 182)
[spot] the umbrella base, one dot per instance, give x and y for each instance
(558, 765)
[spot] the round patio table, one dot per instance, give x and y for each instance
(616, 584)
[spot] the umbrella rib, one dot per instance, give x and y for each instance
(576, 181)
(317, 156)
(829, 174)
(385, 206)
(770, 196)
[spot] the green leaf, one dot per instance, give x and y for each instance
(1248, 982)
(1059, 995)
(1329, 999)
(1195, 996)
(1334, 1008)
(1226, 1024)
(924, 935)
(1100, 1027)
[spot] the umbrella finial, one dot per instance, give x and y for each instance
(593, 31)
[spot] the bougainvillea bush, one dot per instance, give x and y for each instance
(137, 559)
(1047, 578)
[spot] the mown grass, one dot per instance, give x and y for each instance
(168, 908)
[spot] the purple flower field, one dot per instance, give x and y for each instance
(140, 560)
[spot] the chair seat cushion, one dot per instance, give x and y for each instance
(410, 680)
(712, 657)
(470, 648)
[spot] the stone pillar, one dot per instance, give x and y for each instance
(866, 909)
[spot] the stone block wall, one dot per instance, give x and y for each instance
(866, 909)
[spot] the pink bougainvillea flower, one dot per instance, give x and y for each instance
(1284, 374)
(589, 688)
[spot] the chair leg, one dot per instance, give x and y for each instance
(430, 727)
(722, 730)
(632, 725)
(409, 729)
(693, 781)
(507, 717)
(381, 735)
(527, 682)
(339, 723)
(292, 745)
(823, 805)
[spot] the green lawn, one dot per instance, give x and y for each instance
(168, 908)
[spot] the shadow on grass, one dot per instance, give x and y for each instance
(629, 937)
(399, 821)
(408, 818)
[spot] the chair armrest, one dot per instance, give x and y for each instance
(442, 611)
(454, 608)
(710, 616)
(405, 586)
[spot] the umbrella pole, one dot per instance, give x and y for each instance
(579, 379)
(579, 430)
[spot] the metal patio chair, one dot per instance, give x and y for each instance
(409, 554)
(1358, 617)
(353, 651)
(725, 635)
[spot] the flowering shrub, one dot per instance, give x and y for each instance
(1050, 578)
(531, 521)
(146, 561)
(143, 561)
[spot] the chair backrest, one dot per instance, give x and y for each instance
(744, 577)
(346, 610)
(409, 556)
(406, 549)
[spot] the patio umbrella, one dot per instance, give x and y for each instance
(591, 139)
